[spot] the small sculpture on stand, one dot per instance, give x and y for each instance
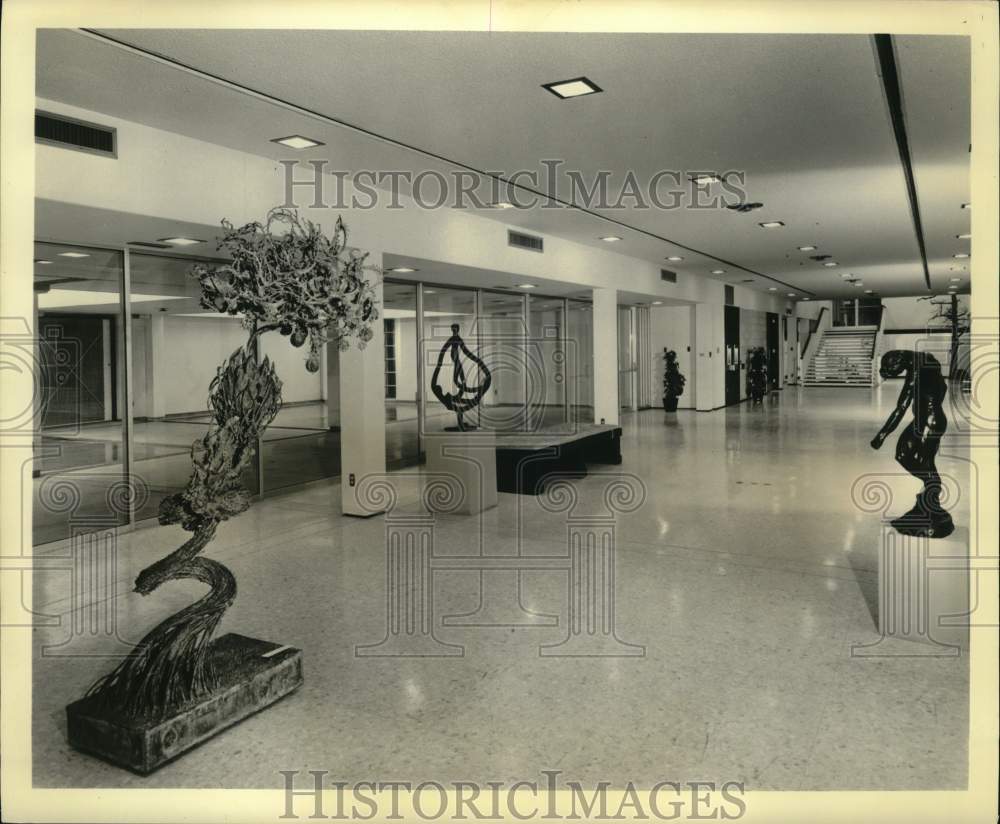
(923, 391)
(757, 376)
(465, 397)
(673, 381)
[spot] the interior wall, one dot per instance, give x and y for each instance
(197, 347)
(671, 327)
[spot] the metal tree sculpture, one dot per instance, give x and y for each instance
(464, 397)
(309, 288)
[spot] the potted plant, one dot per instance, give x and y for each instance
(180, 685)
(673, 381)
(756, 375)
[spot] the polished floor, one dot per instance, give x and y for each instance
(746, 572)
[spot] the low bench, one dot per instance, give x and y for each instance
(525, 460)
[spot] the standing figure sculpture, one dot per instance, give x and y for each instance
(923, 390)
(757, 376)
(464, 397)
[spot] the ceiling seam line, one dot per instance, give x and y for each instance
(889, 75)
(269, 98)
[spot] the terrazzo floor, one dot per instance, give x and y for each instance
(746, 573)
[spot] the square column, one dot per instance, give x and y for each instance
(362, 409)
(708, 363)
(606, 356)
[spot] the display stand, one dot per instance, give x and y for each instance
(471, 458)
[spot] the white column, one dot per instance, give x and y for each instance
(705, 357)
(156, 367)
(606, 356)
(362, 410)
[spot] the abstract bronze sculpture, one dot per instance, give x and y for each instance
(465, 397)
(923, 390)
(757, 375)
(309, 288)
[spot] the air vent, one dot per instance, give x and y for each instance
(57, 130)
(668, 276)
(522, 241)
(820, 257)
(146, 245)
(730, 295)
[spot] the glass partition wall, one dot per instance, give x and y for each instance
(538, 350)
(126, 353)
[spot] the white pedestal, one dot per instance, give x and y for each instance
(472, 458)
(923, 587)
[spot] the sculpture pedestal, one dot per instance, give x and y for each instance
(471, 457)
(923, 588)
(255, 674)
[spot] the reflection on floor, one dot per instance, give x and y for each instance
(747, 573)
(76, 467)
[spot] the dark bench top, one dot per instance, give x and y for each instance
(552, 436)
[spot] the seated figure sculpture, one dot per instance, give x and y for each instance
(923, 391)
(464, 397)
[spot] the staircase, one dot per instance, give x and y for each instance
(844, 358)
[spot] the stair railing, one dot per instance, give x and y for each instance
(877, 339)
(813, 339)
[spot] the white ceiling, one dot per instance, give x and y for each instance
(802, 115)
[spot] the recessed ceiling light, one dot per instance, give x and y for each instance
(869, 291)
(805, 298)
(41, 262)
(526, 286)
(705, 179)
(966, 205)
(297, 141)
(502, 204)
(955, 280)
(831, 263)
(966, 236)
(858, 282)
(575, 87)
(961, 255)
(402, 269)
(791, 294)
(772, 288)
(429, 292)
(771, 224)
(675, 258)
(807, 248)
(718, 271)
(180, 241)
(74, 254)
(657, 303)
(611, 239)
(846, 275)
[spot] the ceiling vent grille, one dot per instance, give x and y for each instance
(522, 241)
(58, 130)
(667, 276)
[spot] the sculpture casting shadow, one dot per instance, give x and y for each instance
(923, 389)
(465, 397)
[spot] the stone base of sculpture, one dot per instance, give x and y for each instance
(253, 675)
(923, 521)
